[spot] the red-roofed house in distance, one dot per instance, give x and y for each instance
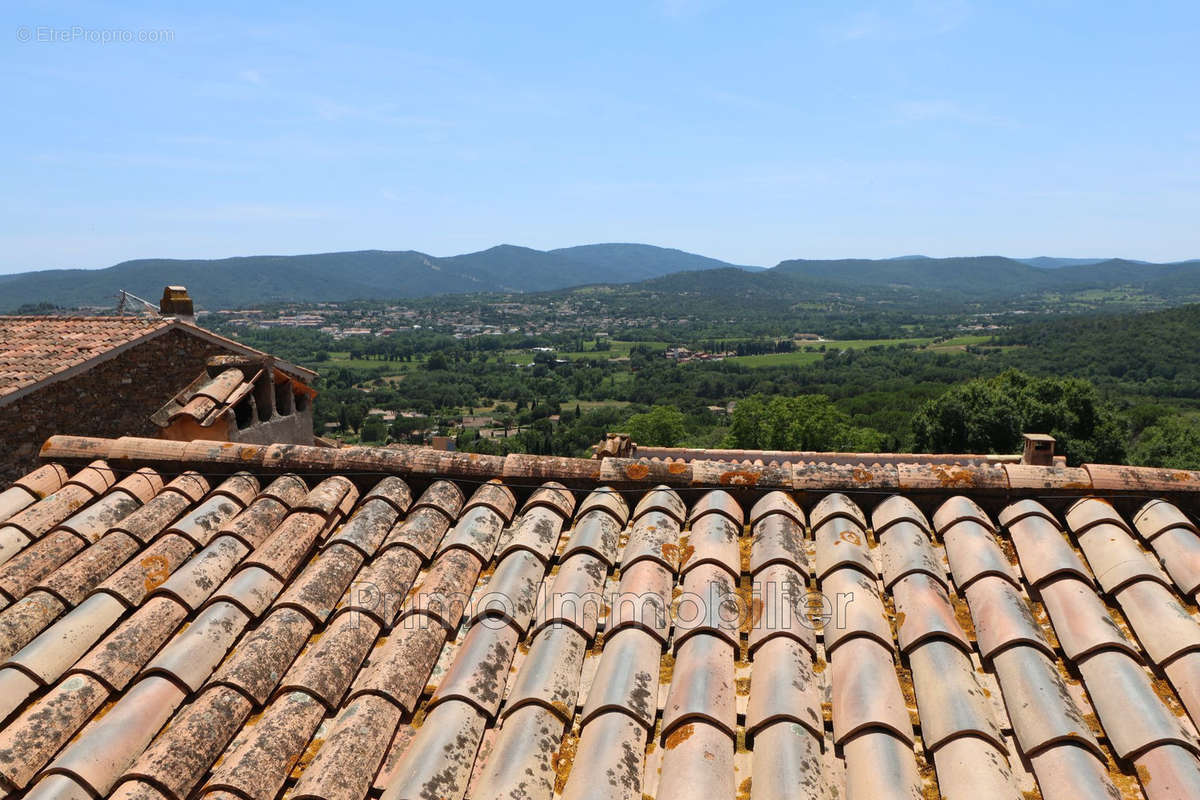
(107, 376)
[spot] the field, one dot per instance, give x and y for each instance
(804, 356)
(619, 349)
(342, 359)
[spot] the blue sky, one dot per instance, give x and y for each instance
(751, 132)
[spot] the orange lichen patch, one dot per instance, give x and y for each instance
(666, 668)
(1066, 676)
(742, 687)
(1010, 552)
(953, 477)
(850, 535)
(745, 544)
(156, 570)
(910, 694)
(743, 792)
(637, 472)
(819, 666)
(680, 735)
(1094, 723)
(562, 759)
(1126, 784)
(677, 467)
(750, 621)
(1118, 618)
(306, 757)
(929, 784)
(738, 477)
(899, 620)
(1039, 614)
(1167, 696)
(1031, 794)
(962, 614)
(686, 551)
(862, 475)
(104, 709)
(889, 611)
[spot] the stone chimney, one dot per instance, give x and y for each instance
(176, 302)
(1039, 449)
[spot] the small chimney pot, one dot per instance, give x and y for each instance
(176, 302)
(1039, 450)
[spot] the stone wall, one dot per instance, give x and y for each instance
(113, 398)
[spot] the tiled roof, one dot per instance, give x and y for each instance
(34, 348)
(216, 392)
(394, 624)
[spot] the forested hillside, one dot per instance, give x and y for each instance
(1153, 354)
(1112, 387)
(628, 273)
(256, 280)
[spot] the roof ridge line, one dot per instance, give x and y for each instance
(936, 478)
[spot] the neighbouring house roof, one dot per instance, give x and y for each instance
(207, 619)
(35, 350)
(225, 382)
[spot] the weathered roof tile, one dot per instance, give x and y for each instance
(343, 621)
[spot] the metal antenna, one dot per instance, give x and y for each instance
(126, 296)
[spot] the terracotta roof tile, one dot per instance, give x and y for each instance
(607, 500)
(37, 347)
(536, 532)
(26, 491)
(549, 674)
(340, 644)
(179, 758)
(595, 532)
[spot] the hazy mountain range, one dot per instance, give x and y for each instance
(376, 274)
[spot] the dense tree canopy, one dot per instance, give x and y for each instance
(804, 422)
(1171, 442)
(662, 426)
(988, 415)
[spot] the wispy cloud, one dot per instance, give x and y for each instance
(251, 76)
(382, 113)
(913, 20)
(940, 110)
(678, 9)
(864, 25)
(245, 212)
